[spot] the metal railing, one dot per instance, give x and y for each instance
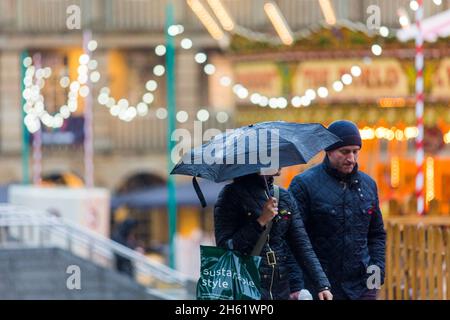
(21, 227)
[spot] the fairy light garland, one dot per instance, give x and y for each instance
(35, 110)
(34, 82)
(304, 100)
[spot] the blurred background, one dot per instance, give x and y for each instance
(90, 91)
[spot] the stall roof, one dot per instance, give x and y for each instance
(157, 197)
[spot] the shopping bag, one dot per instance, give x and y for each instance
(228, 275)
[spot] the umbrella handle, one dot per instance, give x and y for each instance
(267, 188)
(199, 192)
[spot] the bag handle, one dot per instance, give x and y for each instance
(263, 237)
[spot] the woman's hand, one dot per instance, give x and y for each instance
(270, 210)
(325, 295)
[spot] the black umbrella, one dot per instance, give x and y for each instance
(252, 149)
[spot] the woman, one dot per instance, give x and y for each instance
(241, 214)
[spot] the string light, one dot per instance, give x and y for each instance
(322, 92)
(172, 30)
(122, 109)
(447, 137)
(64, 82)
(151, 85)
(403, 18)
(347, 79)
(92, 45)
(395, 172)
(160, 50)
(356, 71)
(367, 133)
(186, 43)
(296, 101)
(142, 109)
(225, 81)
(282, 102)
(95, 77)
(255, 98)
(328, 11)
(338, 86)
(258, 99)
(34, 101)
(200, 58)
(161, 113)
(222, 117)
(92, 64)
(279, 23)
(209, 69)
(159, 70)
(384, 31)
(175, 30)
(413, 5)
(203, 115)
(376, 49)
(182, 116)
(408, 133)
(205, 18)
(222, 14)
(148, 98)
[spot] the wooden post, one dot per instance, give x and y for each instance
(413, 265)
(407, 266)
(430, 263)
(389, 269)
(439, 262)
(397, 269)
(421, 262)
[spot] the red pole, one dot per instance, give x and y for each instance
(419, 112)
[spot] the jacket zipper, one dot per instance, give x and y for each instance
(273, 271)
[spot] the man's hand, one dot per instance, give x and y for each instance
(270, 210)
(325, 295)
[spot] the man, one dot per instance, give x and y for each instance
(126, 235)
(242, 213)
(340, 209)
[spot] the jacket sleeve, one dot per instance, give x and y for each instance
(299, 195)
(230, 232)
(296, 281)
(376, 238)
(302, 249)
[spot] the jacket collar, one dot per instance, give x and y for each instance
(350, 178)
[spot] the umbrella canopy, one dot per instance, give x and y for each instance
(253, 148)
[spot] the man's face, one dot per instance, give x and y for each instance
(344, 159)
